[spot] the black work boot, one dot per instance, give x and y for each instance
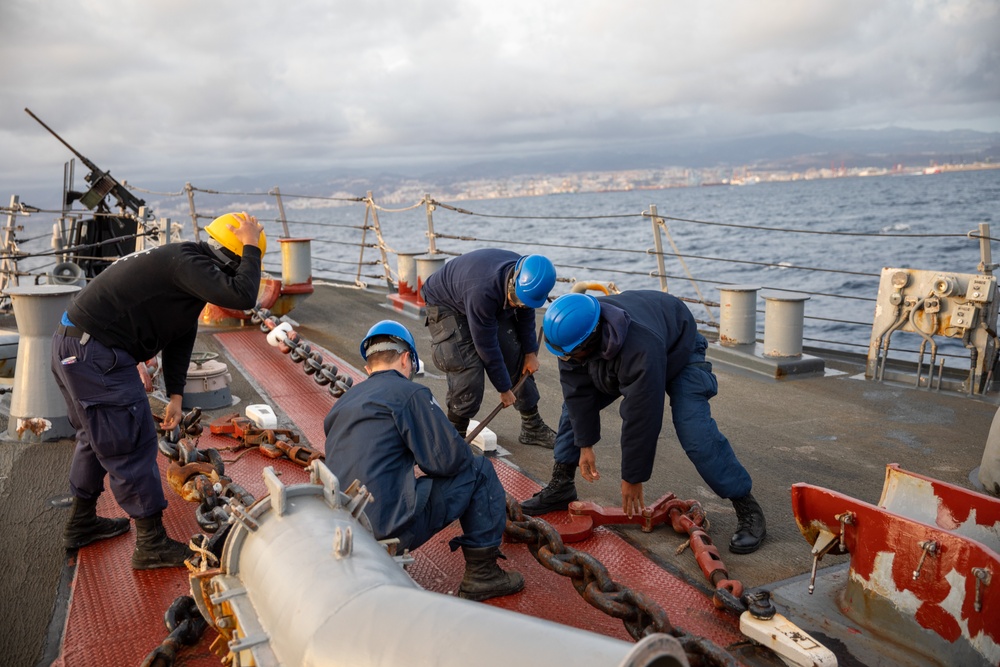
(484, 579)
(535, 432)
(750, 525)
(153, 548)
(557, 494)
(85, 527)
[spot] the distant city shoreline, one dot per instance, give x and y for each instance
(647, 179)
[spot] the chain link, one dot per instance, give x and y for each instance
(198, 475)
(185, 624)
(640, 614)
(324, 373)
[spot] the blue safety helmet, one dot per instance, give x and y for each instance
(569, 321)
(396, 331)
(534, 278)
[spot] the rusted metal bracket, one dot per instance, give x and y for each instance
(686, 517)
(272, 442)
(585, 516)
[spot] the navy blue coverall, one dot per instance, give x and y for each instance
(650, 347)
(383, 427)
(142, 304)
(473, 329)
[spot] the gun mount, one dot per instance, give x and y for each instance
(99, 240)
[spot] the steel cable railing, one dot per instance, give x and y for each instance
(339, 232)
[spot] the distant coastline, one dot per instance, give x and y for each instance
(647, 179)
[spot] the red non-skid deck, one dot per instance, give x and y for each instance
(116, 614)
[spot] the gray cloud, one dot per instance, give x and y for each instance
(174, 90)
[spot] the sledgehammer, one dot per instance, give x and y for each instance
(524, 376)
(476, 431)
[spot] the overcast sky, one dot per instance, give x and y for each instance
(175, 90)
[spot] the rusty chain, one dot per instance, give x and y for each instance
(688, 517)
(291, 343)
(198, 475)
(185, 624)
(640, 614)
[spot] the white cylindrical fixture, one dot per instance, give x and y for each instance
(989, 470)
(36, 397)
(406, 266)
(426, 265)
(346, 601)
(783, 318)
(738, 315)
(296, 261)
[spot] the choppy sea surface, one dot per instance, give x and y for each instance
(746, 235)
(743, 235)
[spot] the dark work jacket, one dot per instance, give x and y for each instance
(646, 339)
(475, 285)
(150, 301)
(378, 431)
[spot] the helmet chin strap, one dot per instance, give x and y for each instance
(228, 258)
(512, 299)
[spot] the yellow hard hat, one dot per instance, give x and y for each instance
(218, 229)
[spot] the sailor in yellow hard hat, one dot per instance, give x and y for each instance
(141, 305)
(223, 230)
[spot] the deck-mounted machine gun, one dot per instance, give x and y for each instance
(98, 241)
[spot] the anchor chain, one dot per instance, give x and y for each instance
(688, 517)
(272, 442)
(286, 339)
(198, 475)
(640, 614)
(185, 624)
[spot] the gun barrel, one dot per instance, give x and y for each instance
(75, 152)
(101, 181)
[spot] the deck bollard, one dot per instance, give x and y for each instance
(406, 266)
(36, 396)
(296, 261)
(738, 315)
(426, 265)
(783, 319)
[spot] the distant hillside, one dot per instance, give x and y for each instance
(884, 148)
(858, 148)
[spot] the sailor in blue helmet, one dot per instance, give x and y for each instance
(481, 317)
(378, 431)
(638, 345)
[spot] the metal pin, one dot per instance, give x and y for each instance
(845, 519)
(983, 577)
(824, 542)
(930, 547)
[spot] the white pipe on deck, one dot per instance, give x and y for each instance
(311, 586)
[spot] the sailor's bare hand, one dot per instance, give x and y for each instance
(507, 398)
(530, 364)
(632, 502)
(172, 413)
(248, 233)
(588, 464)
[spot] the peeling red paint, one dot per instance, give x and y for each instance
(955, 504)
(933, 616)
(877, 531)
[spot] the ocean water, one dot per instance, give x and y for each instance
(917, 222)
(750, 234)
